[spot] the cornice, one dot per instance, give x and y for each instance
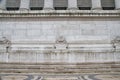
(61, 13)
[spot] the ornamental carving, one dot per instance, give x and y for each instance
(116, 40)
(4, 44)
(61, 40)
(61, 43)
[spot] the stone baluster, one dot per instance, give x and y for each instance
(96, 4)
(117, 4)
(2, 4)
(24, 5)
(72, 4)
(48, 4)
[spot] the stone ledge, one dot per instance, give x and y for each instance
(61, 13)
(54, 48)
(61, 63)
(35, 76)
(54, 68)
(73, 57)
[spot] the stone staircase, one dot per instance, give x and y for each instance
(60, 68)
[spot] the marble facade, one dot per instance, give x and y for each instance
(60, 41)
(83, 36)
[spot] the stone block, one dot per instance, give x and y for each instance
(29, 59)
(33, 33)
(3, 57)
(24, 4)
(61, 46)
(88, 32)
(14, 57)
(20, 32)
(2, 48)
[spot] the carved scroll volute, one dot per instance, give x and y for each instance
(116, 43)
(116, 40)
(5, 44)
(61, 40)
(61, 43)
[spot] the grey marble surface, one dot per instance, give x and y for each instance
(59, 77)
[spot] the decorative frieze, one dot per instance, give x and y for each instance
(64, 13)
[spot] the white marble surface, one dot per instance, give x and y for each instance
(48, 29)
(2, 4)
(72, 4)
(33, 39)
(117, 4)
(59, 57)
(48, 4)
(96, 4)
(24, 5)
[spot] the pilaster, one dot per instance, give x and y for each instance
(24, 5)
(117, 4)
(96, 4)
(48, 4)
(2, 4)
(72, 4)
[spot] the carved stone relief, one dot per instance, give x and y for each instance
(4, 44)
(61, 43)
(116, 43)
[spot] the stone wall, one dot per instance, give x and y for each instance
(48, 29)
(36, 40)
(59, 57)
